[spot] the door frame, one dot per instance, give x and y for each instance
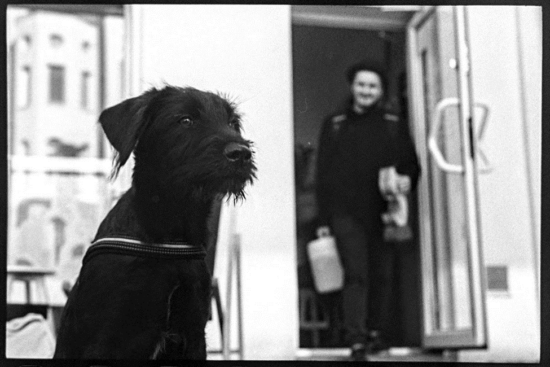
(339, 17)
(418, 131)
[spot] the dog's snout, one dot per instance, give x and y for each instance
(237, 152)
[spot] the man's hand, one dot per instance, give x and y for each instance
(403, 184)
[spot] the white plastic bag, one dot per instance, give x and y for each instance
(396, 218)
(29, 336)
(326, 267)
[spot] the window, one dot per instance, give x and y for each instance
(85, 90)
(46, 64)
(26, 43)
(56, 40)
(57, 84)
(24, 87)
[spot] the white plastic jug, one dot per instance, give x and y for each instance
(328, 274)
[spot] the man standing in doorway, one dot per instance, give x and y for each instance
(355, 144)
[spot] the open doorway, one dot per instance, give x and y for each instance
(321, 54)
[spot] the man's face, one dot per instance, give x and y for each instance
(366, 89)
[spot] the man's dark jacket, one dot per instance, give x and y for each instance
(352, 149)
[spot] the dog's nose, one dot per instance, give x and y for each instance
(237, 152)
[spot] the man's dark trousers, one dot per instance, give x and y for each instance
(368, 265)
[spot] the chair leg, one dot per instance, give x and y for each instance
(315, 314)
(28, 290)
(9, 287)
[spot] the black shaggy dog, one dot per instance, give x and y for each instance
(144, 288)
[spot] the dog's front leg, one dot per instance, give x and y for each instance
(188, 314)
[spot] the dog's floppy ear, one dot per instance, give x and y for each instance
(123, 124)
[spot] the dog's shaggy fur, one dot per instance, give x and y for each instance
(188, 152)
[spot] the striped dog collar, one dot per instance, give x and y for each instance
(130, 246)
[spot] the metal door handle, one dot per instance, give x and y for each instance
(486, 167)
(440, 160)
(432, 138)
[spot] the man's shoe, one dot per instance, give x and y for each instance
(358, 352)
(376, 343)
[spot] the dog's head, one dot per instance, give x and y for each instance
(182, 138)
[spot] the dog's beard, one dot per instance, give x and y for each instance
(234, 189)
(214, 179)
(231, 188)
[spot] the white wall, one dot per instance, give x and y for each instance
(512, 144)
(530, 38)
(246, 52)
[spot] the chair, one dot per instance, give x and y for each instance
(29, 274)
(313, 317)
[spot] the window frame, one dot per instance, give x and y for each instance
(26, 72)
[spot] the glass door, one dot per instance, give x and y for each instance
(443, 114)
(64, 66)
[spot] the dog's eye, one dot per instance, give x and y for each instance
(186, 121)
(234, 124)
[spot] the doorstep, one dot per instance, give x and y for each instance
(396, 354)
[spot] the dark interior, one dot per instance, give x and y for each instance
(320, 57)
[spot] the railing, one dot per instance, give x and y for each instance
(234, 260)
(225, 315)
(72, 195)
(79, 165)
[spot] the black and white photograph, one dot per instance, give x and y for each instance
(273, 182)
